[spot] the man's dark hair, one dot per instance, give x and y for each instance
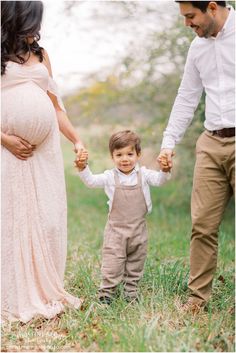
(202, 5)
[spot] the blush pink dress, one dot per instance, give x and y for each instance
(34, 212)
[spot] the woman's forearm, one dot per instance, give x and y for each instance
(64, 123)
(67, 128)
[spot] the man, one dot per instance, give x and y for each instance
(210, 66)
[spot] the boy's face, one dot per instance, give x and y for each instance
(125, 158)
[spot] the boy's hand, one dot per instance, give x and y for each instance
(81, 161)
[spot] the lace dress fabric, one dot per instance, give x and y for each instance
(34, 212)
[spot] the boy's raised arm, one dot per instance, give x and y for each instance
(88, 178)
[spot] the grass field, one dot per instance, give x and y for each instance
(154, 324)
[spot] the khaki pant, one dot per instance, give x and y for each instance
(213, 185)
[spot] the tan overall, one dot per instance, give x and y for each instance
(125, 240)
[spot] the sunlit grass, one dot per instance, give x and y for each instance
(155, 323)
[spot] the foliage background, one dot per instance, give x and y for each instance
(137, 93)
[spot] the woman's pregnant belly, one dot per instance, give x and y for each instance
(28, 112)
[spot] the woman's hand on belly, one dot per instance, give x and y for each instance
(19, 147)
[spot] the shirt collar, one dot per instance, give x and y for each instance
(230, 21)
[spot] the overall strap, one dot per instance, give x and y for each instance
(139, 178)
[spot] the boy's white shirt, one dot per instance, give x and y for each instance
(106, 180)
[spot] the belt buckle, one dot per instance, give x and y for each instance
(216, 133)
(220, 133)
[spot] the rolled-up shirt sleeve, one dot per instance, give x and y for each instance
(185, 104)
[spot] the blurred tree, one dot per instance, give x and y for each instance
(232, 3)
(139, 91)
(146, 78)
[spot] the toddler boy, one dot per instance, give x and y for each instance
(125, 237)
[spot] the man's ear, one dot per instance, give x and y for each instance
(212, 7)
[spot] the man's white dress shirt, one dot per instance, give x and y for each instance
(210, 65)
(106, 180)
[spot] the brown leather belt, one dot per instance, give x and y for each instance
(227, 132)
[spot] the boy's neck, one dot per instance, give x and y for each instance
(126, 173)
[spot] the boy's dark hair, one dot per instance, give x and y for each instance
(123, 139)
(202, 5)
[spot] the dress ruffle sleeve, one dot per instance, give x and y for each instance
(53, 88)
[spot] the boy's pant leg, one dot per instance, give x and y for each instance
(113, 261)
(136, 256)
(210, 195)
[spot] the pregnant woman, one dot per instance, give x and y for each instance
(34, 213)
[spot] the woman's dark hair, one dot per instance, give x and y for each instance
(202, 5)
(19, 20)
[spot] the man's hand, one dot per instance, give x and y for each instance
(165, 159)
(19, 147)
(163, 163)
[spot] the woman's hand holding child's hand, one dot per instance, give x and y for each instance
(78, 148)
(81, 160)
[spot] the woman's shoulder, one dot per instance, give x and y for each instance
(46, 61)
(45, 54)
